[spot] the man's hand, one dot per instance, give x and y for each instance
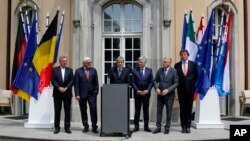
(165, 92)
(61, 90)
(139, 92)
(145, 92)
(78, 98)
(158, 91)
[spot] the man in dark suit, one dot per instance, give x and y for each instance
(166, 80)
(142, 84)
(62, 80)
(187, 72)
(119, 74)
(86, 90)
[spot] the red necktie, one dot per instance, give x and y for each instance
(87, 74)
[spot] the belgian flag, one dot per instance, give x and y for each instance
(44, 56)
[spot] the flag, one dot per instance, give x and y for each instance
(44, 56)
(27, 79)
(185, 30)
(222, 79)
(191, 45)
(58, 38)
(203, 59)
(200, 31)
(20, 46)
(217, 49)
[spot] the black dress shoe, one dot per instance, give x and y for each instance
(166, 131)
(136, 129)
(157, 130)
(188, 130)
(183, 130)
(94, 130)
(85, 130)
(56, 131)
(147, 129)
(68, 131)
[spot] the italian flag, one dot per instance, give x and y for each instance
(191, 45)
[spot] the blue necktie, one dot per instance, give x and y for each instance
(119, 72)
(141, 72)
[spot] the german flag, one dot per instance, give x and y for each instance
(44, 56)
(20, 46)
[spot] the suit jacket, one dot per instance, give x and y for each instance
(85, 87)
(187, 83)
(169, 81)
(57, 81)
(142, 83)
(114, 78)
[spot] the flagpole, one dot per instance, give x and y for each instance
(36, 18)
(47, 20)
(59, 36)
(27, 21)
(20, 9)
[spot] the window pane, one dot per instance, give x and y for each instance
(137, 43)
(116, 43)
(107, 55)
(137, 26)
(136, 55)
(116, 11)
(107, 26)
(115, 55)
(128, 43)
(137, 12)
(107, 43)
(108, 12)
(107, 67)
(116, 26)
(128, 25)
(128, 55)
(128, 11)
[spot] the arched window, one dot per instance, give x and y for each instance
(122, 33)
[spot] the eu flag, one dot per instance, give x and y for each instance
(27, 78)
(203, 59)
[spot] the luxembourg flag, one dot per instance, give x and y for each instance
(222, 79)
(226, 76)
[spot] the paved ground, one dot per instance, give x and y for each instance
(14, 130)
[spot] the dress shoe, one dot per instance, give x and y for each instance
(183, 130)
(94, 130)
(56, 131)
(166, 131)
(68, 131)
(147, 129)
(157, 130)
(188, 130)
(85, 130)
(136, 129)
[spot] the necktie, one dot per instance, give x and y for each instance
(141, 72)
(87, 74)
(165, 72)
(119, 72)
(185, 68)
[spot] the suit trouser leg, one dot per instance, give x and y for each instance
(182, 111)
(160, 105)
(138, 102)
(146, 110)
(189, 110)
(57, 107)
(169, 108)
(83, 109)
(93, 110)
(67, 105)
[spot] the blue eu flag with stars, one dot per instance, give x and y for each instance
(203, 59)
